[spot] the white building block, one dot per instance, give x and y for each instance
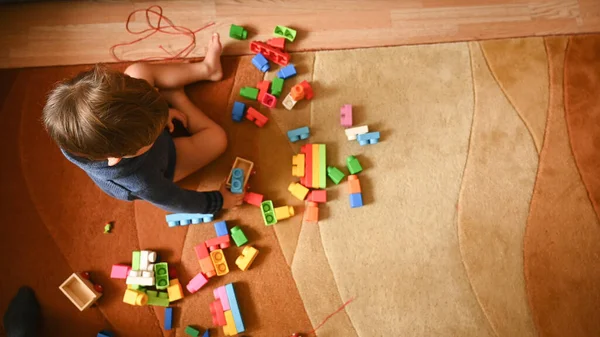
(353, 132)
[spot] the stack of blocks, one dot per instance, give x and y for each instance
(225, 310)
(354, 189)
(362, 135)
(315, 166)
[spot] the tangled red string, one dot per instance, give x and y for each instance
(329, 316)
(168, 28)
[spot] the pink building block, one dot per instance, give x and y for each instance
(119, 271)
(221, 294)
(196, 283)
(346, 115)
(268, 100)
(317, 196)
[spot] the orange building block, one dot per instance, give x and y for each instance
(353, 184)
(219, 262)
(298, 165)
(175, 290)
(317, 196)
(298, 190)
(297, 92)
(311, 213)
(308, 91)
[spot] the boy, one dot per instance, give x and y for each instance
(112, 125)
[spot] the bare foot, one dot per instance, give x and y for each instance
(213, 58)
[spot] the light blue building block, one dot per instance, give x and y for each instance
(237, 181)
(261, 63)
(238, 111)
(184, 219)
(221, 228)
(368, 138)
(168, 318)
(299, 133)
(356, 200)
(235, 309)
(287, 72)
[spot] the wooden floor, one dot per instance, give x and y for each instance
(62, 33)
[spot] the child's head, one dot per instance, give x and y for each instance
(103, 113)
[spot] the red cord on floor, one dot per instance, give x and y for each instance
(329, 316)
(168, 28)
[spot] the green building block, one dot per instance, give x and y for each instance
(107, 228)
(322, 167)
(161, 275)
(238, 32)
(335, 174)
(135, 260)
(238, 236)
(286, 32)
(277, 86)
(268, 212)
(353, 165)
(157, 298)
(249, 93)
(136, 287)
(191, 331)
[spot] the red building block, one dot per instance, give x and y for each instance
(218, 242)
(172, 272)
(216, 311)
(273, 54)
(308, 176)
(308, 91)
(253, 198)
(268, 100)
(201, 251)
(259, 119)
(317, 196)
(263, 85)
(277, 43)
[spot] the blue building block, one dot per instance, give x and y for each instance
(368, 138)
(299, 133)
(238, 111)
(261, 63)
(105, 333)
(356, 200)
(221, 228)
(168, 318)
(184, 219)
(237, 181)
(206, 333)
(287, 72)
(235, 309)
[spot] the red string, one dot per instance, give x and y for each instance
(330, 315)
(168, 28)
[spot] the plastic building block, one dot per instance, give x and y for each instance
(204, 259)
(235, 309)
(246, 258)
(168, 318)
(268, 100)
(196, 283)
(285, 32)
(221, 294)
(135, 297)
(254, 116)
(249, 93)
(161, 274)
(353, 184)
(229, 328)
(298, 190)
(238, 32)
(217, 313)
(307, 179)
(206, 333)
(298, 165)
(355, 131)
(253, 198)
(346, 115)
(191, 331)
(311, 212)
(268, 213)
(284, 212)
(135, 260)
(219, 262)
(356, 200)
(276, 55)
(245, 165)
(218, 242)
(140, 280)
(263, 86)
(238, 236)
(156, 298)
(322, 166)
(238, 111)
(105, 333)
(221, 228)
(278, 42)
(287, 72)
(144, 260)
(308, 90)
(353, 165)
(288, 102)
(317, 196)
(172, 272)
(335, 174)
(299, 133)
(237, 181)
(261, 63)
(297, 92)
(80, 291)
(119, 271)
(175, 290)
(315, 166)
(368, 138)
(107, 228)
(277, 86)
(184, 219)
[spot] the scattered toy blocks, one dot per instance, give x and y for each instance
(278, 42)
(175, 290)
(157, 298)
(206, 264)
(238, 111)
(221, 228)
(119, 271)
(298, 165)
(191, 331)
(285, 32)
(299, 133)
(196, 283)
(221, 242)
(253, 198)
(268, 100)
(105, 333)
(80, 291)
(254, 116)
(298, 190)
(237, 181)
(135, 297)
(353, 184)
(235, 309)
(261, 63)
(268, 213)
(238, 32)
(273, 54)
(219, 262)
(168, 319)
(288, 102)
(311, 212)
(238, 236)
(346, 115)
(249, 93)
(217, 313)
(287, 72)
(368, 138)
(184, 219)
(351, 133)
(246, 258)
(229, 328)
(277, 86)
(297, 92)
(243, 164)
(161, 274)
(308, 90)
(284, 212)
(317, 196)
(353, 165)
(356, 200)
(335, 174)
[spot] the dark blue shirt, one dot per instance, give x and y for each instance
(149, 177)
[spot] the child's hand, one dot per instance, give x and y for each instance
(230, 200)
(178, 115)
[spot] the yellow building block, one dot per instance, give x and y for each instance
(135, 297)
(315, 166)
(175, 290)
(219, 262)
(229, 328)
(246, 258)
(298, 162)
(284, 212)
(298, 190)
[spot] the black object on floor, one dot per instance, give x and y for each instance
(23, 316)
